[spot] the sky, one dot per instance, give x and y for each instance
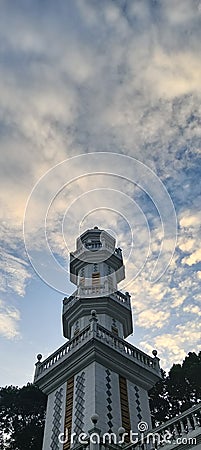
(100, 124)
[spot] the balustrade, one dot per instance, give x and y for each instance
(103, 335)
(83, 291)
(183, 425)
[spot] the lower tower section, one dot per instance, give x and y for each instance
(96, 376)
(99, 373)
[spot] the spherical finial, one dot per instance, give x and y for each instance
(121, 431)
(39, 357)
(95, 228)
(94, 418)
(93, 313)
(154, 352)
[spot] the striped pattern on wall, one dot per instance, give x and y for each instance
(125, 414)
(69, 411)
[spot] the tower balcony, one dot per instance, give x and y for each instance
(93, 344)
(113, 304)
(95, 291)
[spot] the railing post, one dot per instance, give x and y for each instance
(38, 364)
(93, 322)
(128, 297)
(156, 360)
(94, 434)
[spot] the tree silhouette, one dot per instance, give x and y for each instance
(178, 391)
(22, 410)
(22, 416)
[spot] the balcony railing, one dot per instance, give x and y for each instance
(119, 344)
(182, 432)
(94, 330)
(174, 433)
(177, 427)
(94, 291)
(63, 351)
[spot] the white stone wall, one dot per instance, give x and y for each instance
(138, 406)
(89, 397)
(107, 275)
(97, 400)
(103, 319)
(49, 423)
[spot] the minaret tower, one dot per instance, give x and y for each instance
(96, 373)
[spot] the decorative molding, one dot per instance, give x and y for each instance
(56, 423)
(137, 399)
(79, 403)
(109, 400)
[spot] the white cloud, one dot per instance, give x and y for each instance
(190, 219)
(117, 80)
(152, 319)
(186, 244)
(9, 318)
(173, 346)
(173, 74)
(193, 309)
(194, 258)
(14, 266)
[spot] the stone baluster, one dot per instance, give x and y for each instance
(175, 432)
(182, 427)
(190, 428)
(195, 421)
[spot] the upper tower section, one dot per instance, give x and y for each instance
(96, 261)
(96, 268)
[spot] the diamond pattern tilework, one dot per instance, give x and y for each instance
(57, 415)
(79, 403)
(109, 400)
(137, 399)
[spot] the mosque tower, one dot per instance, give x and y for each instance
(96, 376)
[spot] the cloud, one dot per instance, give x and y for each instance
(153, 319)
(175, 74)
(174, 346)
(194, 258)
(193, 309)
(124, 78)
(189, 219)
(9, 319)
(14, 266)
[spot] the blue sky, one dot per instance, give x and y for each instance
(82, 77)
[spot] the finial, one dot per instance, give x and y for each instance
(39, 357)
(93, 313)
(95, 228)
(154, 352)
(94, 419)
